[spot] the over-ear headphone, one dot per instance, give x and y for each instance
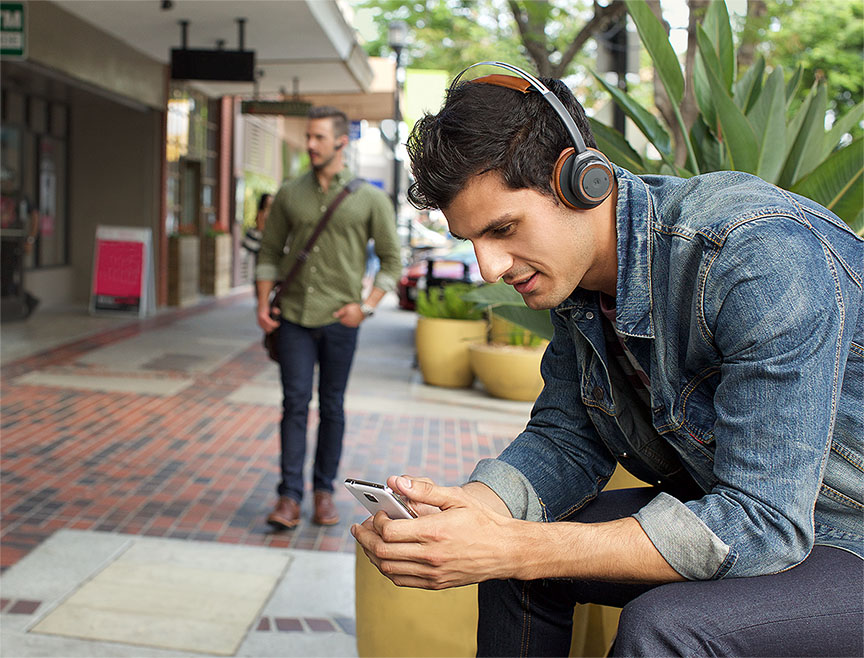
(582, 177)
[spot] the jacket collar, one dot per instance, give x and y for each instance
(634, 219)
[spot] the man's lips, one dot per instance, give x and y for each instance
(526, 285)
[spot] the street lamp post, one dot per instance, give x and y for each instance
(396, 37)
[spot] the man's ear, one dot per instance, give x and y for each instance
(343, 141)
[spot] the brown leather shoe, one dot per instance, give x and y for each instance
(325, 510)
(286, 514)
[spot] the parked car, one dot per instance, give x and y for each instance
(438, 267)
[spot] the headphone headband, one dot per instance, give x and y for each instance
(552, 99)
(582, 177)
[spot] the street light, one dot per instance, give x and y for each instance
(397, 35)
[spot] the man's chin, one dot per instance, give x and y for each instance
(536, 302)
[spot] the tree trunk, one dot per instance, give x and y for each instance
(535, 42)
(756, 10)
(689, 110)
(661, 99)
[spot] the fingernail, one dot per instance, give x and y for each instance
(405, 483)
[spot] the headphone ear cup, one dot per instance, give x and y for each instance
(561, 179)
(591, 178)
(584, 180)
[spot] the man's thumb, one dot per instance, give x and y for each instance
(421, 491)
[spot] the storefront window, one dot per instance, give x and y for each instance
(192, 134)
(34, 177)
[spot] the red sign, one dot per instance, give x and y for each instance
(119, 268)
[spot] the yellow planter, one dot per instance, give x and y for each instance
(509, 372)
(442, 350)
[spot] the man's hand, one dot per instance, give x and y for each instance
(351, 315)
(467, 542)
(266, 322)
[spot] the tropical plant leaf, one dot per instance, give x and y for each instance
(748, 87)
(711, 154)
(646, 122)
(738, 137)
(792, 86)
(838, 184)
(508, 303)
(842, 126)
(615, 147)
(716, 26)
(656, 42)
(702, 94)
(768, 118)
(806, 148)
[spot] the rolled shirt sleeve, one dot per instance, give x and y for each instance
(276, 232)
(383, 231)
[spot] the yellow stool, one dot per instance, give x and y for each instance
(403, 622)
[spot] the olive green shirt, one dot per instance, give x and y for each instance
(333, 274)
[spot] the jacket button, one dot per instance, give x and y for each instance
(598, 393)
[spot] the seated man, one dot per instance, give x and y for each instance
(709, 337)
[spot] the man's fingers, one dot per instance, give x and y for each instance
(424, 491)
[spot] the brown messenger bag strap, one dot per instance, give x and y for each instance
(303, 254)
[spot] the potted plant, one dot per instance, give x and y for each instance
(508, 365)
(446, 325)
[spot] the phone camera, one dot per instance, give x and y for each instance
(370, 497)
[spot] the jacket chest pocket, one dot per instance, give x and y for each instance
(692, 415)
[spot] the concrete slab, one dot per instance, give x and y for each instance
(94, 583)
(186, 596)
(146, 386)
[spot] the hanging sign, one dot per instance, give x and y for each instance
(292, 108)
(123, 271)
(13, 32)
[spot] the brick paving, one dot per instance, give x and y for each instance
(192, 465)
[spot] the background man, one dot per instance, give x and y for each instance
(709, 336)
(322, 307)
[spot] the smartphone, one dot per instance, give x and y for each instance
(379, 497)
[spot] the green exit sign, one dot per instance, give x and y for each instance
(13, 35)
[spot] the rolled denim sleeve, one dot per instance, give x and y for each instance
(780, 338)
(558, 463)
(511, 486)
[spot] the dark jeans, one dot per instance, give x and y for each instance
(814, 609)
(332, 347)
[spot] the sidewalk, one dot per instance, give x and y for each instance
(140, 460)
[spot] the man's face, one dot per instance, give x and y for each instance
(540, 248)
(322, 143)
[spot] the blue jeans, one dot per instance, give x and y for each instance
(814, 609)
(332, 347)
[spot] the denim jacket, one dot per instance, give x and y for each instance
(743, 303)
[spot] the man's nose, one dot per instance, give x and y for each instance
(493, 263)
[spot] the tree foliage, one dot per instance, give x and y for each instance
(825, 38)
(546, 36)
(747, 120)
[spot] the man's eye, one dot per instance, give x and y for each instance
(501, 231)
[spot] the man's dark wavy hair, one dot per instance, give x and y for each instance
(484, 127)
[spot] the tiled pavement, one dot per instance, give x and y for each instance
(82, 450)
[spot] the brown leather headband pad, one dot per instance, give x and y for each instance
(509, 81)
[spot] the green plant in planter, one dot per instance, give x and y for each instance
(521, 337)
(746, 122)
(503, 300)
(448, 302)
